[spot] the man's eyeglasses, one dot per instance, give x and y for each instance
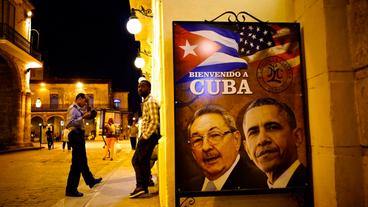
(213, 137)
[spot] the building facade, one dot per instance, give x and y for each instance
(51, 99)
(17, 57)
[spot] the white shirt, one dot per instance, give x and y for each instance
(219, 182)
(283, 180)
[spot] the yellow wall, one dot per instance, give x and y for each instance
(331, 40)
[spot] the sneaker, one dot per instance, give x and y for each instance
(137, 192)
(151, 183)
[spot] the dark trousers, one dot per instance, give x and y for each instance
(141, 160)
(79, 161)
(66, 143)
(49, 142)
(133, 142)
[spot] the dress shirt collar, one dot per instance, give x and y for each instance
(219, 182)
(283, 180)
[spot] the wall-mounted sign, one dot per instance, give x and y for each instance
(240, 112)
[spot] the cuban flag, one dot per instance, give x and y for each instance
(203, 47)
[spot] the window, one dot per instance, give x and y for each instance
(54, 101)
(117, 103)
(7, 13)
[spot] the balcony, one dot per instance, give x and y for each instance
(8, 33)
(62, 107)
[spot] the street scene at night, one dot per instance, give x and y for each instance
(167, 103)
(38, 178)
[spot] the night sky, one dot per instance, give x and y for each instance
(87, 39)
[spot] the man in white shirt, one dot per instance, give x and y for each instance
(271, 141)
(215, 142)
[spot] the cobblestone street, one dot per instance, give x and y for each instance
(38, 178)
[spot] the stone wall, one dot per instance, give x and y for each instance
(358, 30)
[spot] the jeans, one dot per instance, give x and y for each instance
(141, 160)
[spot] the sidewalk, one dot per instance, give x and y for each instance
(115, 188)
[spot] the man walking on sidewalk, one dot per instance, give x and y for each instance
(75, 117)
(147, 141)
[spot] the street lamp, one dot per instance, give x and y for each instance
(134, 26)
(40, 125)
(139, 62)
(38, 103)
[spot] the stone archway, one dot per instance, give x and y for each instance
(36, 128)
(56, 124)
(10, 104)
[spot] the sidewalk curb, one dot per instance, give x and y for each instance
(19, 149)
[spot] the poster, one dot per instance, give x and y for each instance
(240, 109)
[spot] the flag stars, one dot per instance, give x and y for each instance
(265, 32)
(250, 28)
(254, 36)
(260, 39)
(258, 29)
(188, 49)
(269, 43)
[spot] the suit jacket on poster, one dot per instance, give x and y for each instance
(244, 176)
(299, 178)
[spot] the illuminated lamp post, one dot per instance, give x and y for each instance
(40, 125)
(134, 26)
(38, 103)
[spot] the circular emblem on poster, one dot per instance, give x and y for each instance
(274, 74)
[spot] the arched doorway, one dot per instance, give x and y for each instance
(10, 104)
(56, 124)
(36, 128)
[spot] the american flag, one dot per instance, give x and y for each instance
(258, 41)
(254, 38)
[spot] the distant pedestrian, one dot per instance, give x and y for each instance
(49, 138)
(79, 165)
(65, 139)
(147, 141)
(133, 133)
(110, 139)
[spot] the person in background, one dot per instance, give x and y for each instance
(75, 116)
(147, 141)
(271, 141)
(65, 139)
(133, 133)
(110, 139)
(50, 141)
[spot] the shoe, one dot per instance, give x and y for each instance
(104, 158)
(137, 192)
(111, 159)
(151, 183)
(95, 182)
(74, 194)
